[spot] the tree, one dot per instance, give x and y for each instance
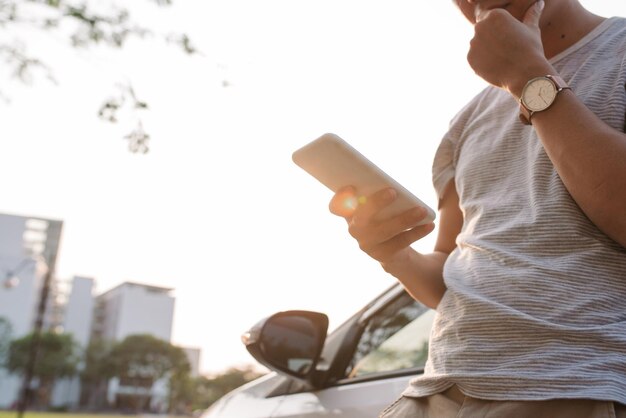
(58, 357)
(96, 373)
(210, 389)
(140, 360)
(181, 394)
(197, 393)
(83, 23)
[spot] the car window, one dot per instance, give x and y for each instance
(395, 338)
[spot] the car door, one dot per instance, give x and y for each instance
(392, 348)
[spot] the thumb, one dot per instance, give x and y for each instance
(533, 14)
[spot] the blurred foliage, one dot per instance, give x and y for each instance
(140, 360)
(89, 23)
(144, 358)
(384, 325)
(208, 389)
(96, 360)
(392, 359)
(58, 356)
(96, 373)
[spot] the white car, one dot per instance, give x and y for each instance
(356, 371)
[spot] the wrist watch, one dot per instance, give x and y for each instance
(538, 95)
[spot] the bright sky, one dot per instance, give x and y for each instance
(217, 210)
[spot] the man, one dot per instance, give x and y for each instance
(528, 274)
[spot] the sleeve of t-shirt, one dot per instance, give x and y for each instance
(443, 164)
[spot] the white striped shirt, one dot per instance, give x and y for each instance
(536, 301)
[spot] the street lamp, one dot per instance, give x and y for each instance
(11, 278)
(11, 282)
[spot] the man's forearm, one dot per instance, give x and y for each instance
(590, 158)
(421, 275)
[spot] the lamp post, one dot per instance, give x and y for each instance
(12, 280)
(25, 392)
(9, 281)
(38, 240)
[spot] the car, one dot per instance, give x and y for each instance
(355, 371)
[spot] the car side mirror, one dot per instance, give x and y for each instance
(289, 342)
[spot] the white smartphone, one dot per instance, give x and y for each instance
(336, 164)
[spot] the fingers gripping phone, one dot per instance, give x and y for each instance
(336, 164)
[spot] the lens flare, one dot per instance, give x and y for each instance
(346, 203)
(350, 203)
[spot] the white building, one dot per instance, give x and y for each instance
(133, 308)
(77, 317)
(193, 355)
(28, 249)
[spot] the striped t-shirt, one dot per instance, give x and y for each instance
(536, 301)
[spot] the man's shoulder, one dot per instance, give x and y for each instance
(488, 97)
(614, 32)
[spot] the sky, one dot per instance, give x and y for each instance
(217, 210)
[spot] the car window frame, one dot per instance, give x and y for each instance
(341, 345)
(376, 308)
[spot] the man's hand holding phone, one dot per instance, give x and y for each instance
(385, 239)
(383, 217)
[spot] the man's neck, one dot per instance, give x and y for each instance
(565, 27)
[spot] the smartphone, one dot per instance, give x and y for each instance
(336, 164)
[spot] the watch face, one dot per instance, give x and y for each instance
(539, 94)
